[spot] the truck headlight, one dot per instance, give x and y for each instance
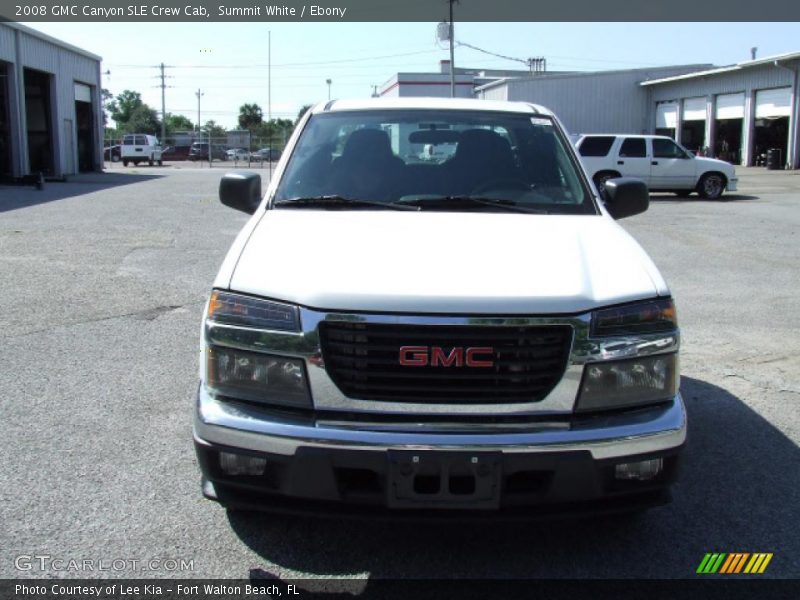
(236, 309)
(651, 316)
(257, 377)
(630, 382)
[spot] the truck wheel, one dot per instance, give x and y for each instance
(160, 163)
(124, 163)
(711, 186)
(114, 158)
(150, 162)
(601, 178)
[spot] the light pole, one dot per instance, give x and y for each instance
(199, 94)
(328, 81)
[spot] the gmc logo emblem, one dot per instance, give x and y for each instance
(434, 356)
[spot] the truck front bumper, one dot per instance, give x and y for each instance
(533, 470)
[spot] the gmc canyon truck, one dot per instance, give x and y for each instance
(471, 334)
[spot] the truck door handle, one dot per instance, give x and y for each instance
(655, 162)
(620, 162)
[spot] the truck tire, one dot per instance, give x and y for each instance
(711, 186)
(125, 162)
(601, 178)
(160, 163)
(150, 162)
(114, 158)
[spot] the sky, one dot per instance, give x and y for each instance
(228, 61)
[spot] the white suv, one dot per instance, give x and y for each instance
(658, 161)
(472, 333)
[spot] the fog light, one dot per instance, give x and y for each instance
(240, 464)
(643, 470)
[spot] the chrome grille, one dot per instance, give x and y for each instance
(362, 359)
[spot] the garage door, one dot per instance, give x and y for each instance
(694, 109)
(730, 106)
(666, 115)
(773, 103)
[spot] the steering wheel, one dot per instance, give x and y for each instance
(502, 183)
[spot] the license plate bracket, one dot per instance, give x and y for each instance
(441, 479)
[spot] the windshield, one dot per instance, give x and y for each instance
(424, 156)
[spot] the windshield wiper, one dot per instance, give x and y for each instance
(339, 202)
(437, 201)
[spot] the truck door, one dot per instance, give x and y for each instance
(632, 159)
(671, 167)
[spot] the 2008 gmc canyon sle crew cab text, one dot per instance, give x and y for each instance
(471, 334)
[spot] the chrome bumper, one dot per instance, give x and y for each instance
(610, 436)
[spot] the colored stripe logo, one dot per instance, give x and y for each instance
(734, 562)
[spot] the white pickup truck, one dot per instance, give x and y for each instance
(472, 334)
(658, 161)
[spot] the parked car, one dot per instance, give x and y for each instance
(140, 147)
(265, 154)
(659, 161)
(112, 153)
(500, 345)
(174, 153)
(199, 151)
(237, 154)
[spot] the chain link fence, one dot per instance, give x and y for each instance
(232, 149)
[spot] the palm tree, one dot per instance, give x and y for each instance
(250, 115)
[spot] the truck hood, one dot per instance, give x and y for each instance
(441, 262)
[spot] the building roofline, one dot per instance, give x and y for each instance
(727, 69)
(50, 39)
(573, 74)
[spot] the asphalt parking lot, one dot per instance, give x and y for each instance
(104, 281)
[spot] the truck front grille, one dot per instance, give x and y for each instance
(363, 360)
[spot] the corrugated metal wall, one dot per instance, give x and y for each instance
(595, 102)
(67, 67)
(753, 78)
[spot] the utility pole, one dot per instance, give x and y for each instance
(452, 54)
(329, 81)
(199, 95)
(163, 107)
(269, 102)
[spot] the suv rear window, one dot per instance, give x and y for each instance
(596, 145)
(633, 148)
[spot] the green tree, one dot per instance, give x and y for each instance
(176, 123)
(301, 112)
(250, 116)
(215, 131)
(132, 115)
(143, 120)
(122, 107)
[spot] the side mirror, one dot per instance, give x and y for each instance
(241, 191)
(626, 196)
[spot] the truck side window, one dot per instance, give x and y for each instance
(596, 145)
(633, 148)
(666, 149)
(141, 140)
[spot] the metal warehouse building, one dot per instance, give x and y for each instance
(740, 113)
(593, 102)
(737, 113)
(51, 118)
